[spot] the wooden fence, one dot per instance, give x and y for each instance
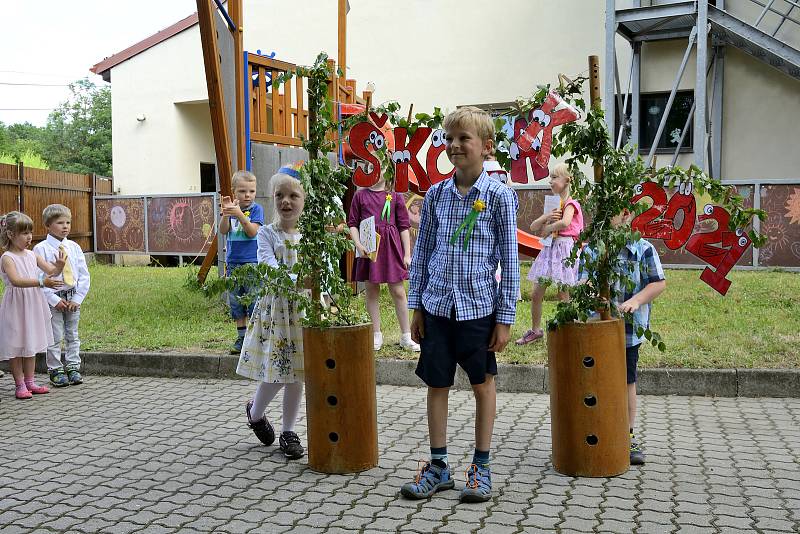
(30, 190)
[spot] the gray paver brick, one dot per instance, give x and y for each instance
(616, 527)
(742, 523)
(780, 525)
(709, 465)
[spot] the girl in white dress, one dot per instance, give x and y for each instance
(272, 352)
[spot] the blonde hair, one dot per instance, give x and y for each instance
(471, 118)
(11, 224)
(242, 176)
(55, 211)
(562, 169)
(277, 181)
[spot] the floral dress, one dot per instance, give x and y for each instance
(273, 345)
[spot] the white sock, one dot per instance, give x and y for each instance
(292, 395)
(377, 337)
(265, 392)
(406, 337)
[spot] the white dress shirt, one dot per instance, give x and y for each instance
(48, 250)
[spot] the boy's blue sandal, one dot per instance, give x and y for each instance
(74, 376)
(236, 348)
(637, 452)
(428, 481)
(261, 428)
(58, 377)
(479, 484)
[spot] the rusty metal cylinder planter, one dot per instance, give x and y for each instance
(588, 399)
(341, 406)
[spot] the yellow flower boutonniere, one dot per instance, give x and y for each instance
(468, 223)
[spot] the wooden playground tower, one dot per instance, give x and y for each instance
(259, 112)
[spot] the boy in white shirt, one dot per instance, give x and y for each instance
(65, 304)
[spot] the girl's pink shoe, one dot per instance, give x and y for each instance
(23, 393)
(37, 389)
(530, 336)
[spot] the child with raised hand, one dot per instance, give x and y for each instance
(272, 352)
(393, 258)
(65, 304)
(24, 313)
(241, 219)
(564, 225)
(462, 316)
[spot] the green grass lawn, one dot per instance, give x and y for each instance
(756, 325)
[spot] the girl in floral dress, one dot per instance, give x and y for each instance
(272, 352)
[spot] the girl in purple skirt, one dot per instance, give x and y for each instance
(565, 225)
(393, 256)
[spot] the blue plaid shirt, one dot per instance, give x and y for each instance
(444, 276)
(642, 265)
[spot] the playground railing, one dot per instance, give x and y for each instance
(279, 115)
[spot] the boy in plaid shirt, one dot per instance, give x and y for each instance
(461, 315)
(641, 264)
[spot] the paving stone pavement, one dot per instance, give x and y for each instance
(122, 455)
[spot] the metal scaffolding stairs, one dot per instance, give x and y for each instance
(752, 40)
(694, 20)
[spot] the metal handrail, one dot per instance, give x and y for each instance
(767, 5)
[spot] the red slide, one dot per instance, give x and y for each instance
(528, 244)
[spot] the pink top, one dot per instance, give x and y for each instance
(575, 227)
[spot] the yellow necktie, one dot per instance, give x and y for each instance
(69, 277)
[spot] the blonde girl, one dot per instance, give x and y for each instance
(272, 352)
(564, 225)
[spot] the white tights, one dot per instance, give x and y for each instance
(292, 395)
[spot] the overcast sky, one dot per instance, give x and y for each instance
(55, 42)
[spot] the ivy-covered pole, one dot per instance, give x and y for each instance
(316, 104)
(594, 97)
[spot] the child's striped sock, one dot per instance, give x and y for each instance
(480, 458)
(439, 456)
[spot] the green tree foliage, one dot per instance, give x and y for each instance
(22, 142)
(77, 137)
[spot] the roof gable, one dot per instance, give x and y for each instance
(103, 68)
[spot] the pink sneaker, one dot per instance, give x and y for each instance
(37, 389)
(529, 337)
(23, 393)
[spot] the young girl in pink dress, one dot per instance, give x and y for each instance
(549, 268)
(393, 258)
(24, 314)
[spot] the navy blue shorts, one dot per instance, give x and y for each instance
(631, 361)
(448, 343)
(238, 311)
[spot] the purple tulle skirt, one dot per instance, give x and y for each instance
(550, 263)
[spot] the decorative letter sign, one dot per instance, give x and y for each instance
(538, 135)
(363, 136)
(720, 248)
